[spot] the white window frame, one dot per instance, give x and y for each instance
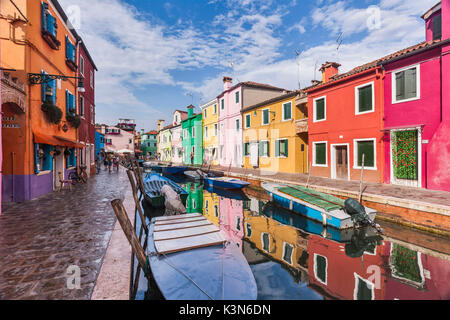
(82, 65)
(262, 242)
(370, 285)
(204, 112)
(314, 154)
(355, 154)
(249, 153)
(247, 225)
(216, 129)
(92, 115)
(206, 132)
(245, 120)
(315, 110)
(280, 156)
(215, 108)
(91, 79)
(292, 253)
(237, 124)
(262, 117)
(315, 268)
(222, 104)
(372, 83)
(394, 83)
(282, 109)
(79, 107)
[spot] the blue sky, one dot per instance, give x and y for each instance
(151, 54)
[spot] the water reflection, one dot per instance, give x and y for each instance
(295, 258)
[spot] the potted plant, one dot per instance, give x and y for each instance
(53, 113)
(74, 120)
(67, 152)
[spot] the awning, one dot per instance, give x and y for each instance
(55, 141)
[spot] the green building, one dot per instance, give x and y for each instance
(149, 144)
(193, 137)
(194, 202)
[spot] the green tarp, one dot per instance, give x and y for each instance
(325, 201)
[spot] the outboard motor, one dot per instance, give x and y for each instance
(358, 213)
(362, 240)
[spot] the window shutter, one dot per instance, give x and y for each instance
(53, 83)
(410, 83)
(320, 109)
(73, 103)
(437, 27)
(286, 148)
(67, 47)
(67, 102)
(44, 87)
(277, 148)
(367, 148)
(320, 153)
(43, 18)
(400, 85)
(36, 158)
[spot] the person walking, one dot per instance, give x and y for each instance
(192, 157)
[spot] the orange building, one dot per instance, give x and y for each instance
(40, 136)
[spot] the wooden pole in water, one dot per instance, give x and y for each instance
(128, 229)
(361, 179)
(138, 205)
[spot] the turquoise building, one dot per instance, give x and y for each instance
(149, 144)
(193, 137)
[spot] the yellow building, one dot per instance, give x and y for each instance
(211, 207)
(211, 132)
(275, 134)
(280, 242)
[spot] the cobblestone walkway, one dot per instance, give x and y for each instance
(41, 238)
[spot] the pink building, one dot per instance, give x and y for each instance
(417, 108)
(231, 101)
(117, 140)
(231, 219)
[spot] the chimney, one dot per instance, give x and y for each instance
(328, 70)
(190, 110)
(160, 124)
(227, 81)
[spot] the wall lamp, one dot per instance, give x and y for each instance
(40, 78)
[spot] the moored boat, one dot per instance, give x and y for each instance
(191, 259)
(152, 185)
(318, 206)
(193, 175)
(225, 183)
(173, 170)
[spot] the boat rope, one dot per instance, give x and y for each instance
(166, 260)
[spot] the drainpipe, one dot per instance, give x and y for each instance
(78, 98)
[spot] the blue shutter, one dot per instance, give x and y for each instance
(67, 102)
(36, 158)
(44, 87)
(43, 19)
(73, 104)
(53, 84)
(67, 47)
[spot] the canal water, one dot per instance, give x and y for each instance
(293, 258)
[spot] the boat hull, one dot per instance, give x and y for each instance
(225, 184)
(337, 219)
(153, 195)
(174, 170)
(237, 279)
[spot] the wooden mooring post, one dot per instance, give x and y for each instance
(361, 180)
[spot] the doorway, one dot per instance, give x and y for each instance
(405, 157)
(340, 162)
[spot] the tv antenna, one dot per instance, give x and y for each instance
(339, 41)
(298, 54)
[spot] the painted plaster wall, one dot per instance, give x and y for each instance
(177, 145)
(119, 141)
(166, 145)
(232, 219)
(296, 162)
(343, 126)
(424, 111)
(212, 140)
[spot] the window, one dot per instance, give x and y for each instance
(364, 98)
(204, 112)
(48, 21)
(247, 121)
(248, 229)
(364, 289)
(193, 132)
(237, 96)
(215, 108)
(215, 129)
(49, 90)
(246, 149)
(320, 109)
(82, 107)
(265, 239)
(70, 103)
(406, 84)
(70, 50)
(206, 132)
(281, 148)
(288, 249)
(222, 104)
(287, 111)
(237, 125)
(92, 114)
(216, 211)
(82, 65)
(320, 268)
(264, 148)
(320, 154)
(43, 158)
(437, 27)
(366, 147)
(91, 82)
(238, 223)
(265, 117)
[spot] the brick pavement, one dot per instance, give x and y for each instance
(41, 238)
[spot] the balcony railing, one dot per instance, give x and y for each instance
(301, 125)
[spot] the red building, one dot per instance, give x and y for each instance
(345, 122)
(86, 109)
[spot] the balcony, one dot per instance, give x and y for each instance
(301, 126)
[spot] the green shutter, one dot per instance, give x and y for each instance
(266, 116)
(367, 148)
(286, 148)
(268, 148)
(277, 148)
(437, 27)
(410, 83)
(365, 98)
(321, 153)
(320, 109)
(287, 111)
(321, 268)
(400, 85)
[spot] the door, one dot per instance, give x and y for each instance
(405, 160)
(254, 154)
(341, 162)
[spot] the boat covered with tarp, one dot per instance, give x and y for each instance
(153, 183)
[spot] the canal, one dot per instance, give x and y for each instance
(293, 258)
